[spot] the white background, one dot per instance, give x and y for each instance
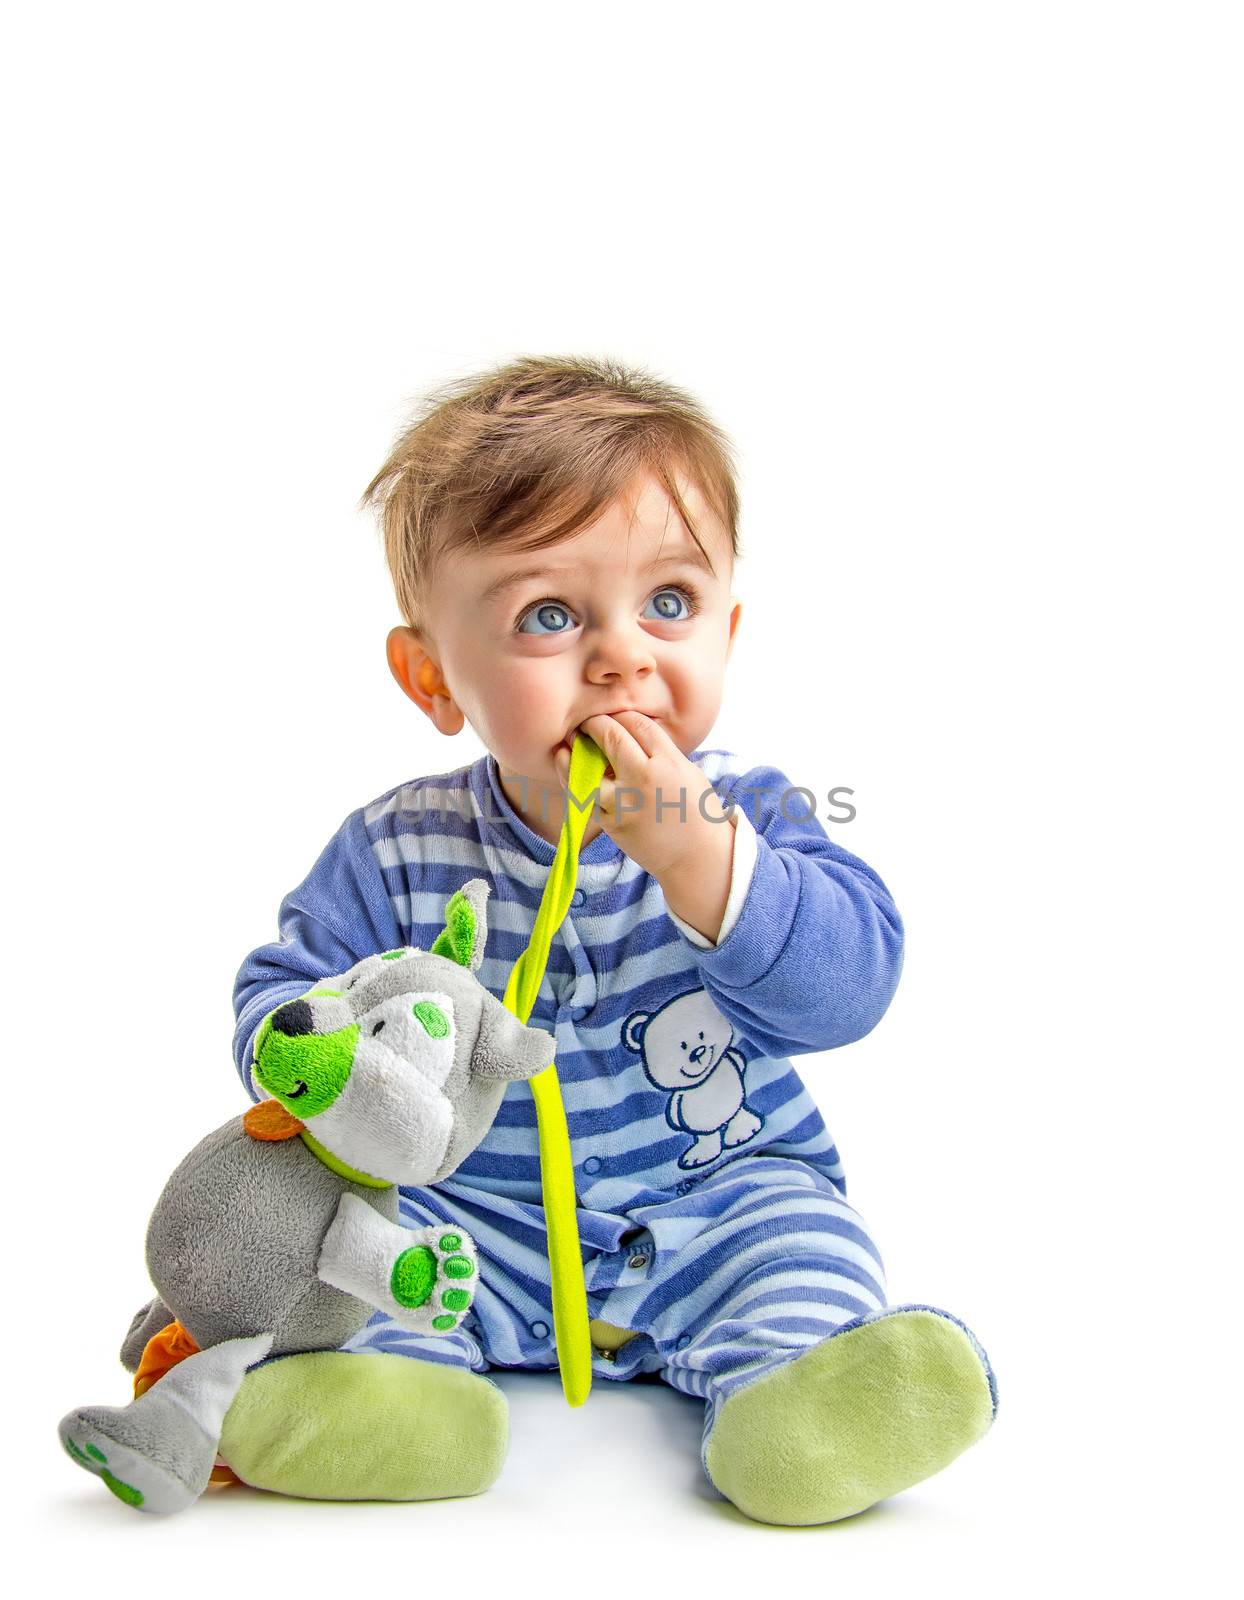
(963, 283)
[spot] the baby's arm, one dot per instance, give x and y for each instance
(812, 946)
(340, 913)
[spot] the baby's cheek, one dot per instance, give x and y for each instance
(526, 703)
(694, 686)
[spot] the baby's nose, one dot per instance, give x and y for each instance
(621, 653)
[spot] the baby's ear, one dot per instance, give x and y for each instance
(422, 680)
(736, 611)
(505, 1048)
(465, 933)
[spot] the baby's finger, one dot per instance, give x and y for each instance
(624, 753)
(618, 802)
(561, 765)
(647, 733)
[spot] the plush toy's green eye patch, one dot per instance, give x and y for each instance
(432, 1017)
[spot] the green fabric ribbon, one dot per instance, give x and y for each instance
(570, 1318)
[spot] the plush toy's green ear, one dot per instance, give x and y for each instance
(462, 937)
(457, 938)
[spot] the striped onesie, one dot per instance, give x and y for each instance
(711, 1198)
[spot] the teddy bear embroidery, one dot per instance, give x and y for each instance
(687, 1049)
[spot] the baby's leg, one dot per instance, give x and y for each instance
(820, 1399)
(393, 1415)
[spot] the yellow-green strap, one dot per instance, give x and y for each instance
(570, 1319)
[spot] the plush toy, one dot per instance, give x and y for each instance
(279, 1233)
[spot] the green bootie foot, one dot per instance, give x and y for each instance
(859, 1417)
(335, 1426)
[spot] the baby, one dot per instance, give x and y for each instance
(561, 536)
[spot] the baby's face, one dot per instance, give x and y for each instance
(622, 616)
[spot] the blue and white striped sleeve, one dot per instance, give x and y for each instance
(813, 957)
(338, 914)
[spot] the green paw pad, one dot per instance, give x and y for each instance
(419, 1278)
(123, 1491)
(93, 1459)
(414, 1275)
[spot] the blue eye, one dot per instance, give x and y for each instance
(551, 617)
(671, 606)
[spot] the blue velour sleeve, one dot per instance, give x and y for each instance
(814, 958)
(338, 914)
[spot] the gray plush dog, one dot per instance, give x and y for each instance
(279, 1233)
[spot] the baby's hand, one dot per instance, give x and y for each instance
(662, 811)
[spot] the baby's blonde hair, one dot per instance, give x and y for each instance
(530, 452)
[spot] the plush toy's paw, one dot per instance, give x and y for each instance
(433, 1280)
(869, 1411)
(157, 1453)
(134, 1478)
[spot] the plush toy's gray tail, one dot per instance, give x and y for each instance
(157, 1453)
(146, 1324)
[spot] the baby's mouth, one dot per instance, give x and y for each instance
(567, 745)
(568, 742)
